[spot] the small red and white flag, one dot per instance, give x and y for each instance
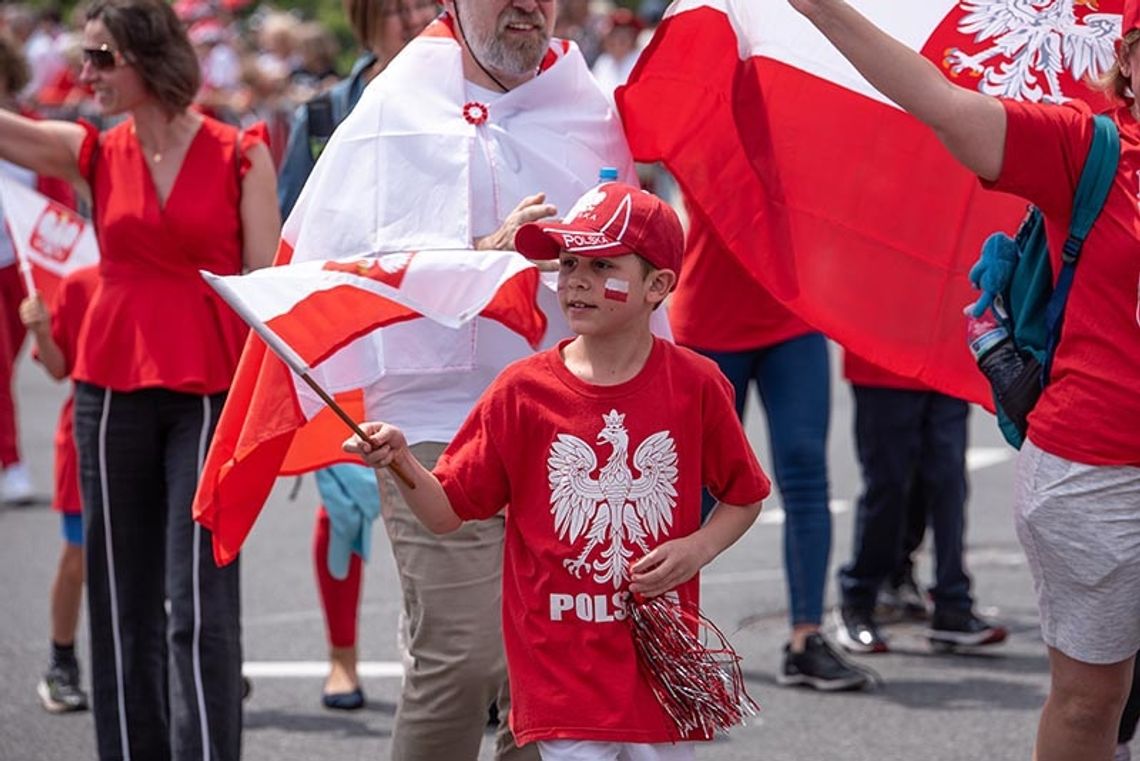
(51, 240)
(308, 311)
(844, 207)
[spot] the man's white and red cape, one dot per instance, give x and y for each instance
(51, 241)
(843, 206)
(396, 176)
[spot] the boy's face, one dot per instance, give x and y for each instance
(605, 295)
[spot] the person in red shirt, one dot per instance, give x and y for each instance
(601, 446)
(56, 335)
(173, 192)
(1077, 488)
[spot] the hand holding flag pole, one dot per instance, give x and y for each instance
(292, 359)
(340, 413)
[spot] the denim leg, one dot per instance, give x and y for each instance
(942, 475)
(795, 389)
(888, 426)
(914, 531)
(738, 367)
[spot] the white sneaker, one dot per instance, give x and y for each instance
(16, 486)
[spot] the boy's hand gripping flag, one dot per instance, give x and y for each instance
(844, 207)
(51, 240)
(318, 317)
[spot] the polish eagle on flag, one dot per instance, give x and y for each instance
(51, 241)
(844, 207)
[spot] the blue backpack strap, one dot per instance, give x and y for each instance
(1096, 180)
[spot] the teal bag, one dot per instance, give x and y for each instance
(1030, 306)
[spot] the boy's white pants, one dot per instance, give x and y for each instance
(587, 750)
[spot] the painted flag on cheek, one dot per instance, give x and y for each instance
(844, 207)
(616, 289)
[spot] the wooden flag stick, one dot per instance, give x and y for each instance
(327, 399)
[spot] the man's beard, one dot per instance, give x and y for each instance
(512, 57)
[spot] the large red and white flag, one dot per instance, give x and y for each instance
(843, 206)
(51, 240)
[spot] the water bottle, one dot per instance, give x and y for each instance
(607, 174)
(993, 349)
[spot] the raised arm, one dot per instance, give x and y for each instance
(970, 124)
(260, 217)
(48, 148)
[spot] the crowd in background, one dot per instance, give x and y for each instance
(260, 61)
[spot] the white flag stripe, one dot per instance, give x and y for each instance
(273, 291)
(239, 305)
(773, 29)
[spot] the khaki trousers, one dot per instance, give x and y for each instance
(452, 587)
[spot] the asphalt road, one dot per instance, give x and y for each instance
(929, 706)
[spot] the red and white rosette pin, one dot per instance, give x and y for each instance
(475, 113)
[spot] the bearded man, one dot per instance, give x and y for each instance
(481, 124)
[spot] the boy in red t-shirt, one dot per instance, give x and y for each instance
(56, 337)
(601, 446)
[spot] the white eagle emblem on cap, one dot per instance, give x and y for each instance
(585, 204)
(1031, 39)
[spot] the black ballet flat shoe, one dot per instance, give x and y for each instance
(344, 701)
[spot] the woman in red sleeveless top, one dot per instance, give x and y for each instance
(173, 192)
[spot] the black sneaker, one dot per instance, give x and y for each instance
(59, 689)
(962, 628)
(857, 632)
(903, 601)
(821, 667)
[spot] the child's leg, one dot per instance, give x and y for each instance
(67, 589)
(59, 689)
(340, 602)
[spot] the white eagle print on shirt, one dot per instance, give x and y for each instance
(614, 511)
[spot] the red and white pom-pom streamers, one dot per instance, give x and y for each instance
(695, 677)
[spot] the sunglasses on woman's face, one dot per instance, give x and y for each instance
(102, 58)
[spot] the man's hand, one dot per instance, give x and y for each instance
(34, 314)
(530, 209)
(385, 442)
(668, 566)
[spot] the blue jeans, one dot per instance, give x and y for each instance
(911, 446)
(794, 385)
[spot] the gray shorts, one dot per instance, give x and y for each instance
(1080, 528)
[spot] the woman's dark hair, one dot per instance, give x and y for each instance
(1113, 81)
(365, 17)
(152, 39)
(13, 67)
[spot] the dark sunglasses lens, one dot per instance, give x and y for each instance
(99, 58)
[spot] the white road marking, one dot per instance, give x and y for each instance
(294, 669)
(984, 457)
(977, 458)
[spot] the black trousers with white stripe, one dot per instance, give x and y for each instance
(164, 686)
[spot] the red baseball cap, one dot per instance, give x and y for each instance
(612, 219)
(1131, 18)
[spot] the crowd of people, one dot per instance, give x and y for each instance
(132, 106)
(259, 62)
